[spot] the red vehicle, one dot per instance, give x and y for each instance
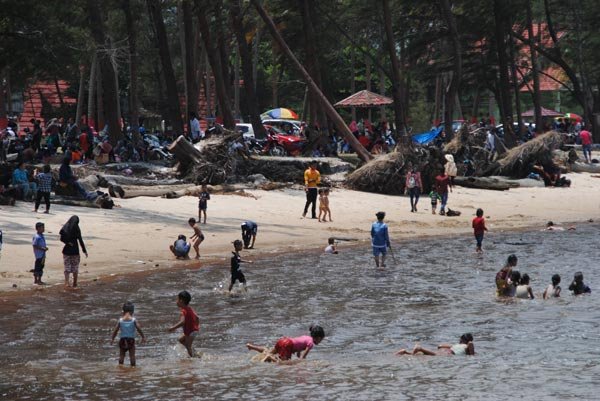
(278, 143)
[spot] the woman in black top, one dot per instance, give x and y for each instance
(70, 235)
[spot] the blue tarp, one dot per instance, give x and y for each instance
(426, 137)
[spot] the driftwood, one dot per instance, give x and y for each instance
(579, 167)
(106, 180)
(185, 152)
(496, 184)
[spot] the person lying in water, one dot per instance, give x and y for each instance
(464, 347)
(286, 347)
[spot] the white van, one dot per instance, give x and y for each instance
(246, 130)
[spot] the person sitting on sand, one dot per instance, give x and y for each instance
(503, 276)
(464, 347)
(578, 286)
(553, 290)
(197, 237)
(181, 248)
(285, 347)
(331, 246)
(524, 290)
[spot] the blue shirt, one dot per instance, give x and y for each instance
(19, 177)
(379, 235)
(39, 240)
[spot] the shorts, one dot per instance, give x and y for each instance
(71, 263)
(285, 348)
(239, 276)
(202, 206)
(38, 268)
(127, 344)
(587, 148)
(379, 250)
(479, 239)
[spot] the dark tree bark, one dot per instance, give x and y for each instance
(399, 116)
(331, 112)
(173, 110)
(134, 115)
(91, 90)
(214, 60)
(80, 94)
(537, 102)
(515, 81)
(245, 51)
(110, 97)
(192, 91)
(452, 89)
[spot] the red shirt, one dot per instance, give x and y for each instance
(478, 225)
(191, 320)
(441, 184)
(586, 137)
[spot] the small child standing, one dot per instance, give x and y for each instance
(321, 205)
(236, 260)
(39, 251)
(434, 200)
(197, 237)
(188, 319)
(127, 325)
(578, 286)
(326, 205)
(478, 229)
(331, 246)
(44, 188)
(203, 199)
(553, 290)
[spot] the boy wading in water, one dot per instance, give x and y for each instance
(236, 260)
(188, 319)
(197, 237)
(127, 325)
(380, 239)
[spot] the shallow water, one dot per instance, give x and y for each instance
(57, 345)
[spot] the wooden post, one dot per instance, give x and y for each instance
(331, 112)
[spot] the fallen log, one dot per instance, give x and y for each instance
(579, 167)
(185, 152)
(106, 180)
(496, 184)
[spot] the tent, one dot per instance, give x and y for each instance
(545, 113)
(365, 99)
(427, 137)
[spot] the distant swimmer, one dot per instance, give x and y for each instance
(578, 286)
(331, 246)
(523, 289)
(553, 290)
(550, 226)
(464, 347)
(285, 347)
(380, 239)
(127, 325)
(503, 276)
(188, 319)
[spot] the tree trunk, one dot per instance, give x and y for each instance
(438, 100)
(515, 80)
(110, 98)
(214, 60)
(91, 92)
(80, 95)
(452, 89)
(100, 121)
(368, 82)
(3, 119)
(58, 93)
(353, 80)
(331, 112)
(400, 118)
(189, 59)
(537, 103)
(247, 69)
(173, 110)
(134, 116)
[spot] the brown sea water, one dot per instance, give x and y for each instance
(55, 346)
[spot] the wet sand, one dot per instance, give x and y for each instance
(135, 237)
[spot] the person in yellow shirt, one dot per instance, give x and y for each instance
(312, 178)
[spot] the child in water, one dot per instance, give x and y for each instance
(553, 290)
(197, 237)
(236, 259)
(503, 276)
(285, 347)
(203, 198)
(380, 239)
(464, 347)
(524, 290)
(331, 246)
(578, 286)
(188, 319)
(478, 229)
(127, 325)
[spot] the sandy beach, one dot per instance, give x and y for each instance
(135, 237)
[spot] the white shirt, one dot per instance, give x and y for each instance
(329, 249)
(195, 128)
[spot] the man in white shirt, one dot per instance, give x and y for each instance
(195, 131)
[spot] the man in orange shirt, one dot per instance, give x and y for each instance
(312, 177)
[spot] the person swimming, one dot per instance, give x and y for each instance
(524, 290)
(464, 347)
(553, 290)
(285, 347)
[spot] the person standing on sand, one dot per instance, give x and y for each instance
(586, 144)
(442, 185)
(70, 235)
(312, 178)
(380, 239)
(414, 187)
(450, 167)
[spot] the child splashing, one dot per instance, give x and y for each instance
(464, 347)
(285, 347)
(127, 325)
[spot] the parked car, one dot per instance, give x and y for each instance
(246, 130)
(277, 143)
(291, 127)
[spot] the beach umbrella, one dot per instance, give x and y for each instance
(280, 113)
(573, 116)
